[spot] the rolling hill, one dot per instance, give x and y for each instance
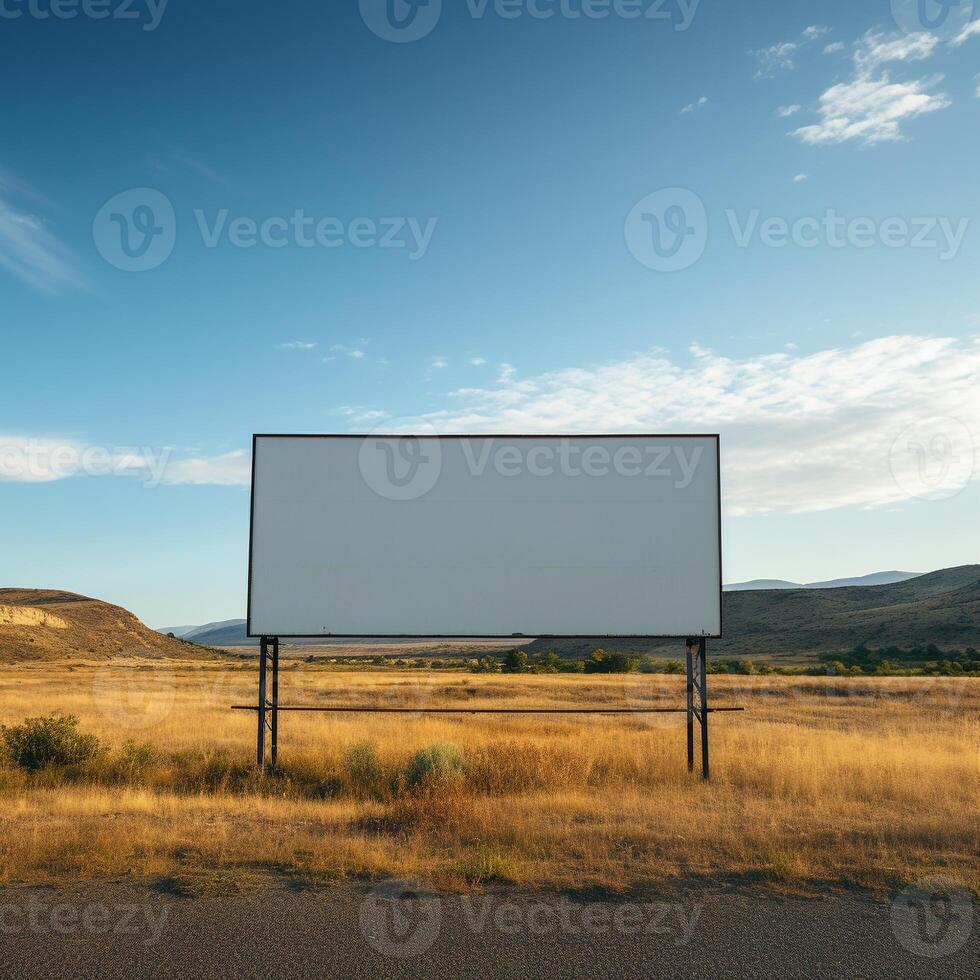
(875, 578)
(942, 607)
(43, 624)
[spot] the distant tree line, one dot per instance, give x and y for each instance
(861, 661)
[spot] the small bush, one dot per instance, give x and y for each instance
(439, 763)
(135, 758)
(363, 767)
(51, 741)
(600, 662)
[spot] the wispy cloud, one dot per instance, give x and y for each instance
(874, 50)
(439, 364)
(801, 432)
(692, 106)
(785, 111)
(478, 361)
(781, 57)
(971, 30)
(172, 157)
(834, 47)
(29, 250)
(232, 469)
(299, 345)
(801, 178)
(358, 415)
(44, 459)
(356, 352)
(871, 108)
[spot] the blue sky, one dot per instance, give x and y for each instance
(488, 198)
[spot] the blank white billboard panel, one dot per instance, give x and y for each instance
(485, 536)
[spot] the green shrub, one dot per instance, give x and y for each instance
(363, 767)
(51, 741)
(600, 662)
(516, 662)
(439, 763)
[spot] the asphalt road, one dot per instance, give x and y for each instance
(394, 930)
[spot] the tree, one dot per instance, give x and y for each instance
(515, 662)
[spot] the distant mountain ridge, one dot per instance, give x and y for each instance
(875, 578)
(939, 607)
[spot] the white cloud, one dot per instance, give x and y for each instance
(782, 57)
(779, 57)
(971, 30)
(478, 361)
(228, 469)
(703, 101)
(978, 86)
(28, 249)
(800, 432)
(834, 47)
(299, 345)
(874, 50)
(32, 459)
(785, 111)
(439, 364)
(871, 110)
(356, 352)
(801, 178)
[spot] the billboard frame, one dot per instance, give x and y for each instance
(484, 636)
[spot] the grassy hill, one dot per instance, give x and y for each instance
(43, 624)
(942, 607)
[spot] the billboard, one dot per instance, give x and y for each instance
(485, 536)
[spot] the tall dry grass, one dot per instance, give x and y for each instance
(871, 782)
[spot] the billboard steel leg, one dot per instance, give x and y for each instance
(268, 710)
(274, 726)
(263, 657)
(690, 709)
(697, 701)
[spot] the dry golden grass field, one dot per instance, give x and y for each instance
(821, 782)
